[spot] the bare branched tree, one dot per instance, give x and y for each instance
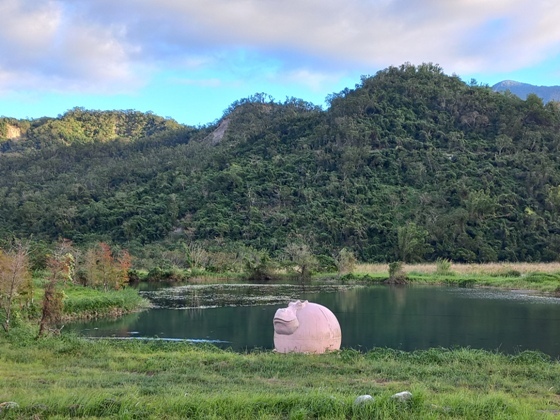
(51, 314)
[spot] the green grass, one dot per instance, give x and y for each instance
(79, 302)
(70, 377)
(87, 302)
(540, 277)
(540, 282)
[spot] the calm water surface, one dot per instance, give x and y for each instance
(407, 318)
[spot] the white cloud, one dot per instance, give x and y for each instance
(108, 44)
(314, 80)
(215, 82)
(26, 32)
(43, 46)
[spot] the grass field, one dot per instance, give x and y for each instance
(68, 377)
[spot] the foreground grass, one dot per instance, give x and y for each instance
(69, 377)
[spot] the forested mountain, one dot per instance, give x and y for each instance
(411, 164)
(79, 126)
(546, 93)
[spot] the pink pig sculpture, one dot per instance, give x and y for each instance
(305, 327)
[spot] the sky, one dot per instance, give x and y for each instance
(190, 59)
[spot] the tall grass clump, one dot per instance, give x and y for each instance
(346, 261)
(86, 301)
(542, 278)
(443, 267)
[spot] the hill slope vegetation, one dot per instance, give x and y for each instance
(411, 164)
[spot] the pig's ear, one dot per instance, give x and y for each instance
(298, 304)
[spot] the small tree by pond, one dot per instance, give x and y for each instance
(301, 260)
(397, 274)
(51, 313)
(14, 276)
(258, 265)
(102, 269)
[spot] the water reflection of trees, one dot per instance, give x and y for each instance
(422, 317)
(120, 327)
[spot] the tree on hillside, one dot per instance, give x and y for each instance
(411, 242)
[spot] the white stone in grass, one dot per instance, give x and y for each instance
(363, 399)
(8, 405)
(402, 396)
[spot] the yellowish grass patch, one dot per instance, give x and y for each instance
(489, 268)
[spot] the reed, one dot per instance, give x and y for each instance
(468, 269)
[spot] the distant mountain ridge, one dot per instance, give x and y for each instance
(546, 93)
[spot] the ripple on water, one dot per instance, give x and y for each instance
(514, 295)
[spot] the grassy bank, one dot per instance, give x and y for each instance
(489, 269)
(67, 377)
(84, 302)
(72, 302)
(541, 277)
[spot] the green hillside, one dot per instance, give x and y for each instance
(412, 164)
(79, 126)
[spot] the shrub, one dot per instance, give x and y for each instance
(542, 277)
(512, 273)
(299, 258)
(223, 261)
(258, 266)
(396, 273)
(327, 263)
(346, 261)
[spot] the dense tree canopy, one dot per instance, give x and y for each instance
(411, 164)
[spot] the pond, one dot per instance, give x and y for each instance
(399, 317)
